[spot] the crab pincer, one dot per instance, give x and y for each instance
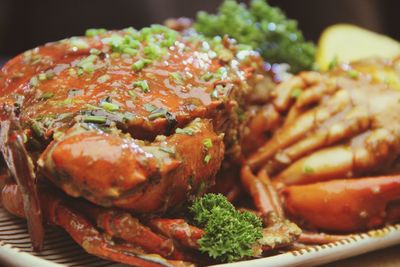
(345, 205)
(21, 167)
(57, 210)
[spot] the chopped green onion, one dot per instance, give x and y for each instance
(103, 78)
(95, 119)
(296, 93)
(37, 129)
(308, 170)
(46, 95)
(207, 158)
(207, 76)
(34, 81)
(140, 64)
(95, 51)
(149, 107)
(143, 85)
(177, 77)
(109, 106)
(94, 32)
(334, 62)
(184, 131)
(167, 150)
(353, 74)
(89, 106)
(207, 143)
(78, 43)
(130, 51)
(158, 114)
(50, 74)
(42, 77)
(153, 51)
(87, 64)
(132, 93)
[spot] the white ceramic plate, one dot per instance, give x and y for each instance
(60, 250)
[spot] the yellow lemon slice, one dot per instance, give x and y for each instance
(346, 43)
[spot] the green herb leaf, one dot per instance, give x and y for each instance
(229, 234)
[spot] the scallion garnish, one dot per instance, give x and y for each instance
(140, 64)
(143, 85)
(207, 158)
(94, 32)
(95, 119)
(109, 106)
(184, 131)
(207, 143)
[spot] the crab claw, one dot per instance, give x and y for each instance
(347, 205)
(21, 167)
(58, 211)
(112, 169)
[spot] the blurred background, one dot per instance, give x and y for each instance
(27, 23)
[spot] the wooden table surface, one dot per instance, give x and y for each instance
(389, 257)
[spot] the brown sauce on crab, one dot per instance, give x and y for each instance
(146, 89)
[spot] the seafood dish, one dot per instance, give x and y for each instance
(199, 142)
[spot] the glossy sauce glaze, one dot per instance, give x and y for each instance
(146, 79)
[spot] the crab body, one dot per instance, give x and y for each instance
(133, 119)
(339, 128)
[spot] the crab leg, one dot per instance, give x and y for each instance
(151, 176)
(123, 225)
(179, 230)
(261, 190)
(58, 212)
(368, 152)
(346, 205)
(21, 168)
(292, 133)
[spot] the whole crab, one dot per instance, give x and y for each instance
(333, 155)
(134, 120)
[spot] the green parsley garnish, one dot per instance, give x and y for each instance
(262, 27)
(230, 235)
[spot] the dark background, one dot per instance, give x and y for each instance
(27, 23)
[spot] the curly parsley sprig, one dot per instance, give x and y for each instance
(262, 27)
(230, 235)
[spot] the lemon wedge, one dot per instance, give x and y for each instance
(346, 43)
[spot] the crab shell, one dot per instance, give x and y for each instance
(142, 129)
